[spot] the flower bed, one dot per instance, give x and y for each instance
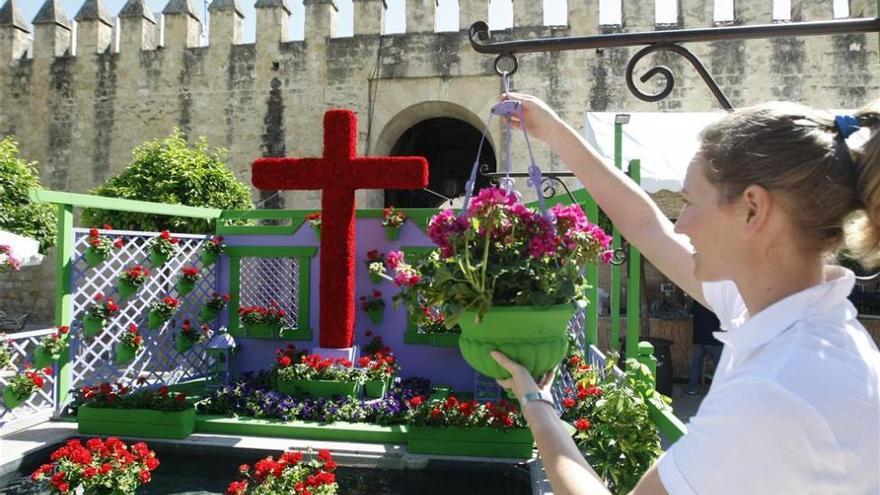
(115, 410)
(313, 375)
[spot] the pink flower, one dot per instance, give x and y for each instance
(394, 259)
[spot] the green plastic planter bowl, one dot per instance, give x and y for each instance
(376, 315)
(155, 320)
(184, 287)
(537, 338)
(318, 388)
(182, 343)
(42, 358)
(124, 354)
(94, 258)
(207, 314)
(127, 289)
(262, 331)
(136, 422)
(481, 442)
(92, 326)
(157, 259)
(376, 278)
(393, 233)
(375, 389)
(208, 259)
(11, 400)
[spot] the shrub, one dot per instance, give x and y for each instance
(18, 214)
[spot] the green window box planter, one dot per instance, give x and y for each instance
(207, 314)
(92, 326)
(375, 389)
(124, 354)
(184, 287)
(182, 343)
(262, 331)
(136, 422)
(376, 316)
(318, 388)
(208, 259)
(42, 358)
(94, 258)
(480, 442)
(12, 400)
(376, 278)
(155, 320)
(393, 233)
(157, 259)
(535, 337)
(127, 289)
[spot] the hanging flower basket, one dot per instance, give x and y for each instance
(155, 320)
(92, 326)
(161, 311)
(131, 280)
(213, 248)
(376, 316)
(128, 346)
(216, 303)
(208, 259)
(376, 278)
(374, 306)
(162, 248)
(13, 400)
(124, 354)
(183, 343)
(94, 257)
(393, 220)
(207, 314)
(393, 233)
(51, 347)
(157, 259)
(127, 289)
(100, 246)
(23, 385)
(43, 358)
(184, 287)
(534, 336)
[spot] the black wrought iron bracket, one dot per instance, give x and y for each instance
(667, 40)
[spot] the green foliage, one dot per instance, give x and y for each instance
(173, 172)
(18, 214)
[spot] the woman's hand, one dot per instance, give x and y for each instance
(521, 381)
(540, 120)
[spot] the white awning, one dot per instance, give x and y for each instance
(24, 249)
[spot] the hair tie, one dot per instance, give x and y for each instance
(846, 125)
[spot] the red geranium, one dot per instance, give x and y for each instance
(291, 473)
(97, 466)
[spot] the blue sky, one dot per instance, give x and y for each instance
(500, 15)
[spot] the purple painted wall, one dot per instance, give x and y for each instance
(441, 365)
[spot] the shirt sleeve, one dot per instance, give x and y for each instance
(725, 301)
(753, 437)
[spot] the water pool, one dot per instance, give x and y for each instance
(209, 471)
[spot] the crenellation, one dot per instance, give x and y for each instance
(369, 16)
(94, 29)
(137, 28)
(813, 10)
(14, 34)
(528, 13)
(420, 16)
(696, 13)
(273, 23)
(183, 28)
(52, 31)
(753, 11)
(583, 17)
(320, 20)
(227, 23)
(471, 11)
(638, 15)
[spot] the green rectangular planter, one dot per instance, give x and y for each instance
(262, 331)
(339, 431)
(375, 389)
(479, 442)
(136, 422)
(318, 388)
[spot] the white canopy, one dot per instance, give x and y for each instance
(24, 249)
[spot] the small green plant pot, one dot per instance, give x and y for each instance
(393, 233)
(318, 388)
(92, 326)
(375, 389)
(262, 331)
(94, 258)
(376, 278)
(182, 343)
(207, 314)
(376, 316)
(124, 354)
(208, 259)
(42, 358)
(127, 289)
(184, 287)
(157, 259)
(12, 400)
(155, 320)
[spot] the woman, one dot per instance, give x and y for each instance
(795, 404)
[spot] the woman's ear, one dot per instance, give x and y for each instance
(757, 203)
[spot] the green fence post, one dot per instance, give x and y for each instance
(646, 357)
(63, 296)
(614, 335)
(633, 284)
(591, 318)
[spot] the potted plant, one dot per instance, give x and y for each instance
(100, 246)
(110, 409)
(162, 248)
(131, 280)
(375, 263)
(432, 322)
(8, 263)
(379, 369)
(314, 375)
(23, 385)
(374, 306)
(261, 321)
(448, 426)
(189, 336)
(189, 276)
(291, 473)
(129, 345)
(508, 275)
(51, 347)
(314, 220)
(392, 220)
(5, 353)
(212, 249)
(97, 314)
(216, 303)
(101, 466)
(161, 311)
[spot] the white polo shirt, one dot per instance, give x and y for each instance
(795, 404)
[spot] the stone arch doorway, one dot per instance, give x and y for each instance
(449, 142)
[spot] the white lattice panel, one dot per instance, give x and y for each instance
(265, 279)
(158, 361)
(21, 347)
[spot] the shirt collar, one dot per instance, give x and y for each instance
(758, 330)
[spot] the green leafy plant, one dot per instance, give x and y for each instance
(164, 244)
(165, 308)
(214, 245)
(57, 342)
(27, 382)
(5, 352)
(453, 412)
(18, 214)
(173, 172)
(118, 396)
(313, 367)
(102, 308)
